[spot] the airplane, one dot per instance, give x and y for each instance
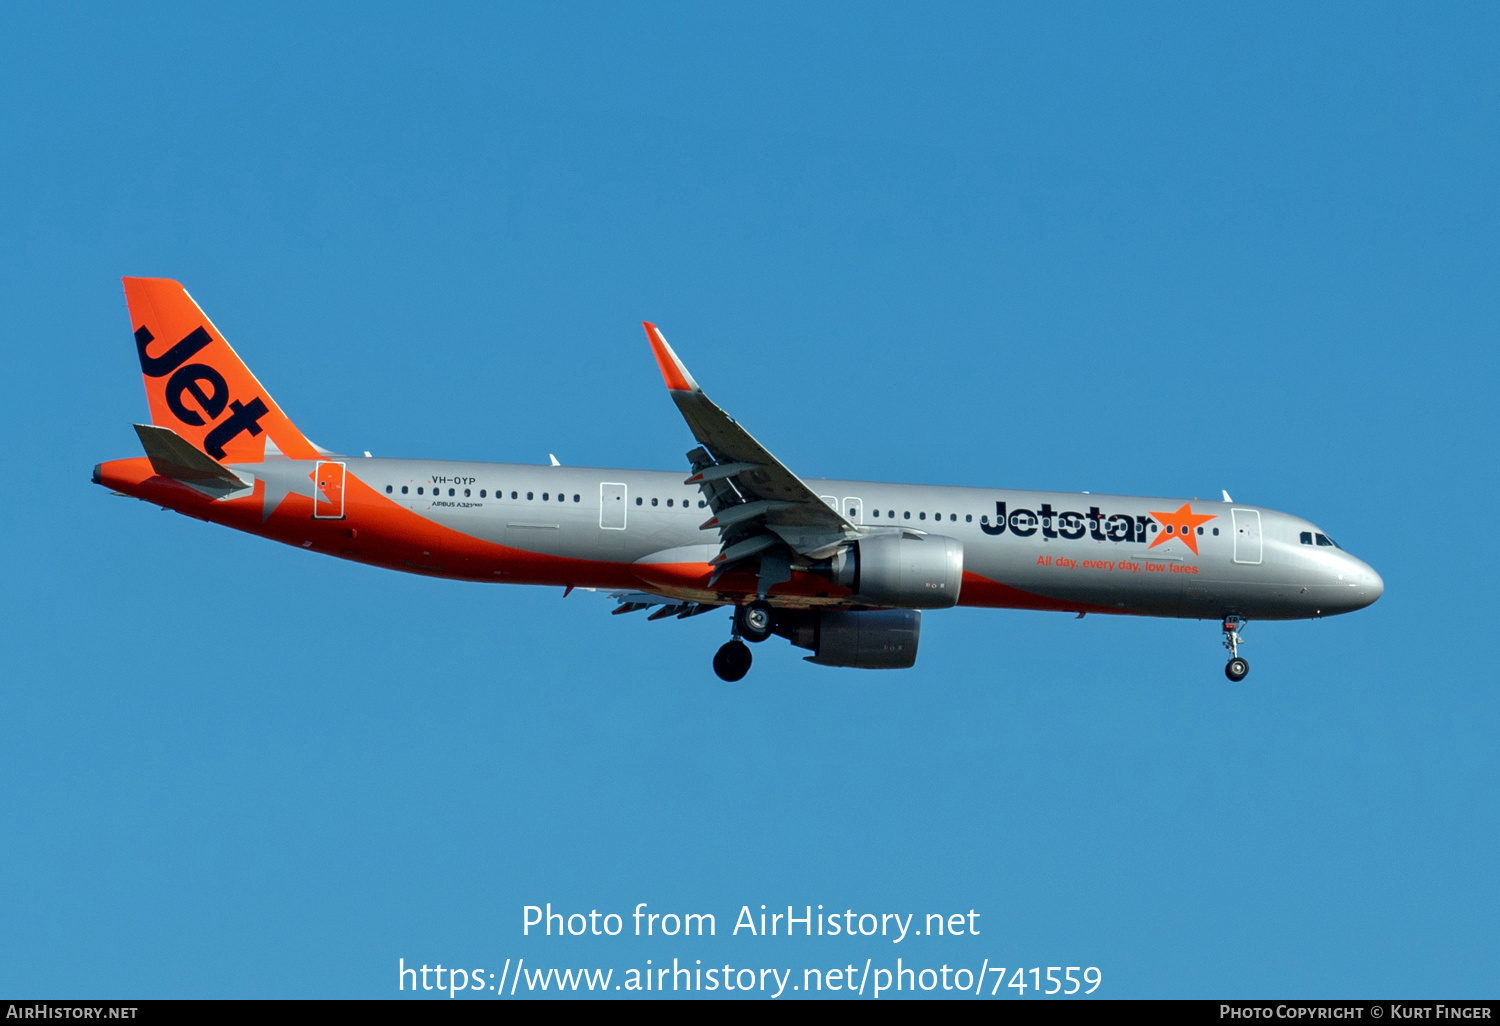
(842, 569)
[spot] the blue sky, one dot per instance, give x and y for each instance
(1158, 252)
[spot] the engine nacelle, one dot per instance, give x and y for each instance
(866, 639)
(904, 570)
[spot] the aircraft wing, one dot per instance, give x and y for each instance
(750, 491)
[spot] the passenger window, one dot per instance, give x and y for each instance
(576, 498)
(513, 495)
(561, 497)
(906, 515)
(1323, 539)
(1200, 530)
(921, 516)
(984, 518)
(1216, 532)
(529, 496)
(702, 504)
(419, 489)
(669, 502)
(388, 489)
(403, 489)
(545, 496)
(1305, 537)
(653, 502)
(1169, 528)
(466, 493)
(968, 518)
(481, 493)
(952, 518)
(639, 500)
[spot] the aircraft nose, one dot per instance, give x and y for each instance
(1371, 586)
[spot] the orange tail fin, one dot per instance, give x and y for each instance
(198, 386)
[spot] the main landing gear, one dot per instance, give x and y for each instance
(752, 623)
(1236, 668)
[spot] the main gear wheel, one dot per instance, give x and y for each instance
(732, 661)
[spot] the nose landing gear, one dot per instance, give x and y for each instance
(1236, 668)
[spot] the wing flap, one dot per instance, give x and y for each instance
(721, 471)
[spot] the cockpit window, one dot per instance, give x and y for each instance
(1323, 539)
(1305, 537)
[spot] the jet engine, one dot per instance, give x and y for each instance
(909, 571)
(866, 639)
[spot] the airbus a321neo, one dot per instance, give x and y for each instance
(841, 568)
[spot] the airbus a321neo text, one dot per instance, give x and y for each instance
(841, 568)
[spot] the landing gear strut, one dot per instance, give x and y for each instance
(1236, 668)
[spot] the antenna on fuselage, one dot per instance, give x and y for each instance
(554, 460)
(1225, 493)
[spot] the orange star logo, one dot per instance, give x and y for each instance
(1181, 525)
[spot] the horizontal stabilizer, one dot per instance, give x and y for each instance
(173, 456)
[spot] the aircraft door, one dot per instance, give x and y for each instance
(612, 506)
(854, 509)
(328, 491)
(1247, 545)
